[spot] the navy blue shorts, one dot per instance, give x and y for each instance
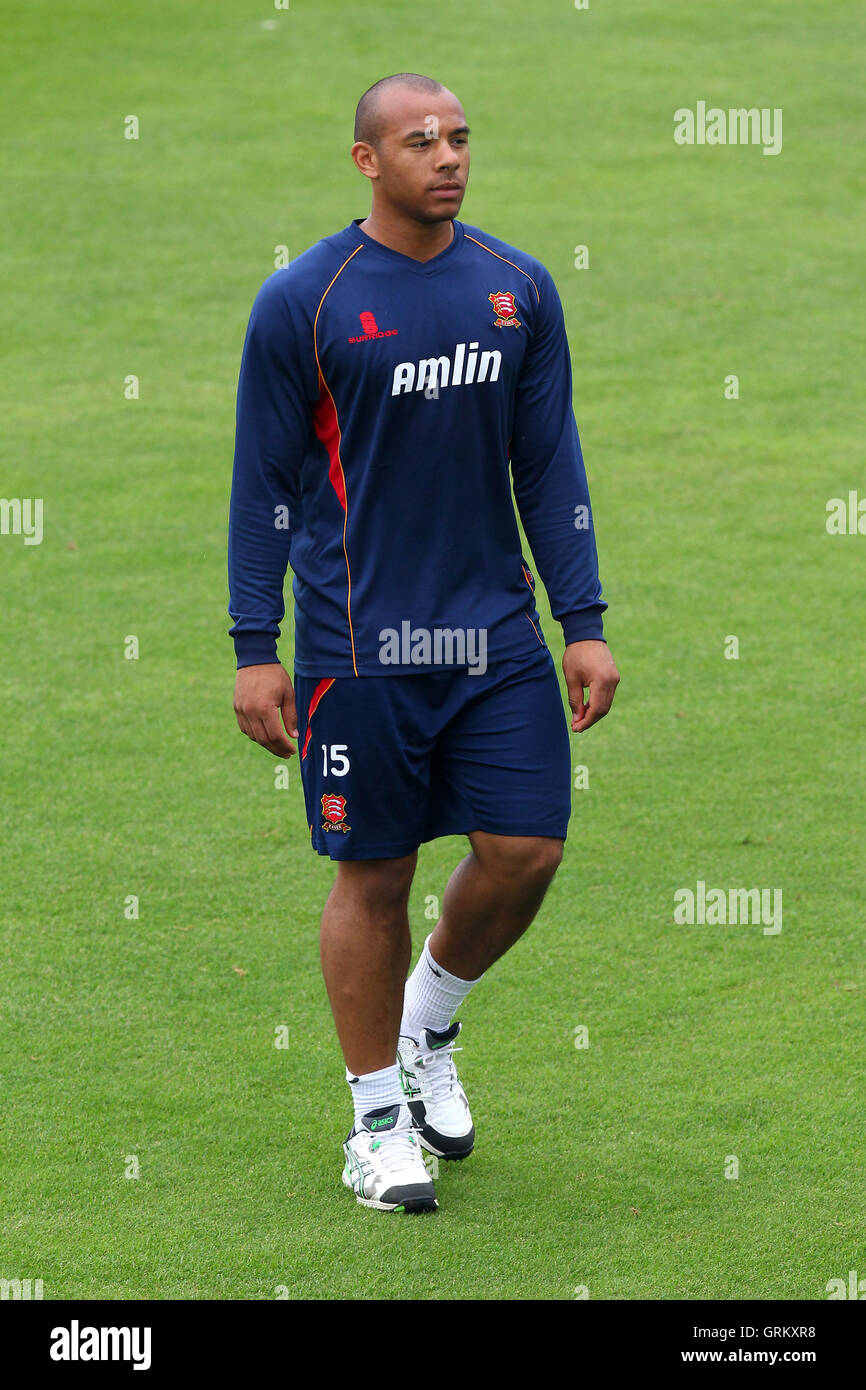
(388, 762)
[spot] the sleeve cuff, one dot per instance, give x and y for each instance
(255, 649)
(583, 626)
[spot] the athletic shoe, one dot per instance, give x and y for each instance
(385, 1165)
(435, 1097)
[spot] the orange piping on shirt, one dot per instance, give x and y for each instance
(325, 426)
(507, 262)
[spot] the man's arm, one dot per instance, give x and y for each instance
(273, 422)
(552, 497)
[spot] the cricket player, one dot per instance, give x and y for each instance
(396, 379)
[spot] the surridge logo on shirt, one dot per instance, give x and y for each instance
(372, 329)
(506, 310)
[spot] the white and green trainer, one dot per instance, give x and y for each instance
(385, 1164)
(434, 1094)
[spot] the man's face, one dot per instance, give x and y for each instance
(421, 163)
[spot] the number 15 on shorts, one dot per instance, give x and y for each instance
(334, 760)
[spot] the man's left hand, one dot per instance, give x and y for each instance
(589, 665)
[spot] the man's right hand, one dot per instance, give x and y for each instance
(264, 702)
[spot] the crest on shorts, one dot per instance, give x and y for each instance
(334, 811)
(505, 310)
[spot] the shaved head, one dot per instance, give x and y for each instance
(369, 122)
(412, 143)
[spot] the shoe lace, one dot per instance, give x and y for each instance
(438, 1072)
(396, 1149)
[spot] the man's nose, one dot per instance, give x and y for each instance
(445, 156)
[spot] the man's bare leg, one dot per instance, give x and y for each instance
(365, 947)
(491, 898)
(366, 950)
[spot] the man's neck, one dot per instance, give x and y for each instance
(419, 240)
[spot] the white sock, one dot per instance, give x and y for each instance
(375, 1090)
(432, 996)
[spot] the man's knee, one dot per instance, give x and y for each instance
(525, 859)
(380, 883)
(541, 859)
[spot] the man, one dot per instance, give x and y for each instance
(388, 377)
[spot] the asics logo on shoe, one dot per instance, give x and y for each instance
(407, 1080)
(382, 1122)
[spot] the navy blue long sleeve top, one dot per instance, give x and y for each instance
(384, 407)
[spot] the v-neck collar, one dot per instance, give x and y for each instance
(409, 262)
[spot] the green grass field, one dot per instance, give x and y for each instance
(601, 1167)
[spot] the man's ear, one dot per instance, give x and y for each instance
(365, 159)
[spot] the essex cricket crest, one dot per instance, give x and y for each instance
(334, 811)
(505, 310)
